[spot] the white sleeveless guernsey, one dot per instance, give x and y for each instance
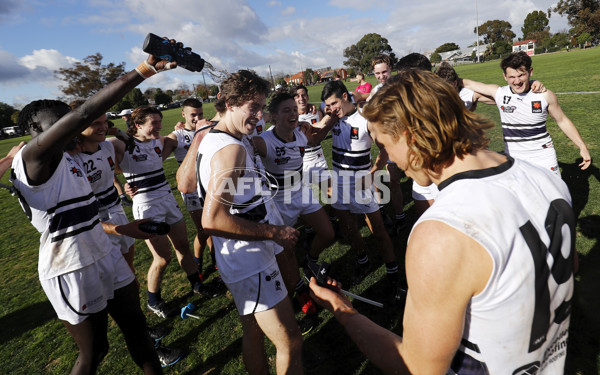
(351, 143)
(144, 168)
(65, 212)
(237, 259)
(184, 140)
(466, 95)
(100, 169)
(521, 215)
(284, 159)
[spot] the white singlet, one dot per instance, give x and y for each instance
(521, 215)
(237, 259)
(64, 210)
(466, 96)
(523, 119)
(314, 159)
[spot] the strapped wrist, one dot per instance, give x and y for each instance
(145, 70)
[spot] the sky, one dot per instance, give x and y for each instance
(270, 36)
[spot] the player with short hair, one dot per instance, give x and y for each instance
(468, 266)
(351, 160)
(468, 96)
(242, 226)
(193, 113)
(84, 276)
(142, 166)
(524, 114)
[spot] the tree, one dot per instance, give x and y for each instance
(359, 55)
(86, 78)
(132, 99)
(6, 112)
(560, 40)
(493, 31)
(535, 22)
(161, 97)
(447, 47)
(583, 15)
(435, 57)
(307, 76)
(583, 38)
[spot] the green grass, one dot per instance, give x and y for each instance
(34, 341)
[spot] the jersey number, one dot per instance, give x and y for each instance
(560, 221)
(280, 151)
(89, 166)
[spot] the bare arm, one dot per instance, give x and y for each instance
(186, 173)
(317, 132)
(6, 161)
(260, 147)
(481, 88)
(216, 218)
(444, 270)
(44, 152)
(169, 144)
(567, 126)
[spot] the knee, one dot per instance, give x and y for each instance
(161, 261)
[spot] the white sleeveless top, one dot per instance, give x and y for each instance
(65, 212)
(523, 119)
(238, 259)
(144, 168)
(184, 140)
(284, 159)
(100, 169)
(519, 323)
(351, 143)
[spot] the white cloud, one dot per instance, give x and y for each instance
(288, 11)
(50, 59)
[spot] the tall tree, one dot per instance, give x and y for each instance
(535, 22)
(307, 76)
(583, 15)
(87, 77)
(495, 30)
(359, 55)
(161, 97)
(447, 47)
(6, 112)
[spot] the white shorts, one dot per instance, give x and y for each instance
(315, 168)
(164, 209)
(116, 215)
(424, 193)
(191, 201)
(292, 204)
(348, 198)
(77, 294)
(544, 157)
(259, 292)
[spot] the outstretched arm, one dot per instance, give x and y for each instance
(567, 126)
(6, 161)
(43, 154)
(186, 173)
(481, 88)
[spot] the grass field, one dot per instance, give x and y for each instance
(33, 341)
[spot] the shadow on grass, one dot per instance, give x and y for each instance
(578, 182)
(584, 341)
(26, 319)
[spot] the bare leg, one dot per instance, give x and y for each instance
(384, 242)
(324, 234)
(253, 347)
(178, 238)
(90, 337)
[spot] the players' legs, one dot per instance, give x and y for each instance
(384, 242)
(161, 256)
(125, 310)
(129, 256)
(90, 337)
(279, 325)
(178, 238)
(324, 234)
(351, 230)
(253, 346)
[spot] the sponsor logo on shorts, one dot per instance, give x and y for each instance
(536, 106)
(272, 275)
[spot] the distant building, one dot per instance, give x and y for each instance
(463, 55)
(528, 46)
(328, 75)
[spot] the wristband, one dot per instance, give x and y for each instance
(145, 70)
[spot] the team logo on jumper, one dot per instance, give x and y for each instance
(76, 171)
(140, 157)
(157, 150)
(302, 151)
(313, 121)
(506, 99)
(94, 177)
(508, 108)
(536, 107)
(353, 133)
(259, 129)
(111, 163)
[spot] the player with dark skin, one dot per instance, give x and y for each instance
(53, 129)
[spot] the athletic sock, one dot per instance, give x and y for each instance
(401, 216)
(194, 278)
(300, 286)
(308, 229)
(154, 298)
(363, 259)
(311, 259)
(391, 268)
(198, 260)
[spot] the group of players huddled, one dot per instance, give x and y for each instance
(487, 224)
